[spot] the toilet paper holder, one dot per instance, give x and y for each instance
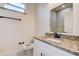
(21, 43)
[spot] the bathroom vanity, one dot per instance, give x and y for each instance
(54, 47)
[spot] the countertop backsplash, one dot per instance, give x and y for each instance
(71, 37)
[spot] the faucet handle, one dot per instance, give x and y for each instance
(56, 35)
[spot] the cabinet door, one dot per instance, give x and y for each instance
(48, 50)
(41, 49)
(36, 50)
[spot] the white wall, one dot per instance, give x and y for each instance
(43, 17)
(12, 31)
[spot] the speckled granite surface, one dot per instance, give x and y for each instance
(68, 45)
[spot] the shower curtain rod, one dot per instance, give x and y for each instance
(10, 18)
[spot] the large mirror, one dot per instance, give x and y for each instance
(62, 18)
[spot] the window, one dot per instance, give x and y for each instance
(19, 7)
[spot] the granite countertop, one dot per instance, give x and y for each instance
(71, 46)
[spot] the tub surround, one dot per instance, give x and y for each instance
(68, 43)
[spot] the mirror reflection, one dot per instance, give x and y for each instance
(61, 18)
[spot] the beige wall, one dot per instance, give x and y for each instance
(12, 31)
(43, 17)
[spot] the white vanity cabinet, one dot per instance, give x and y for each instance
(44, 49)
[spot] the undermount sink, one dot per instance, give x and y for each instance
(55, 40)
